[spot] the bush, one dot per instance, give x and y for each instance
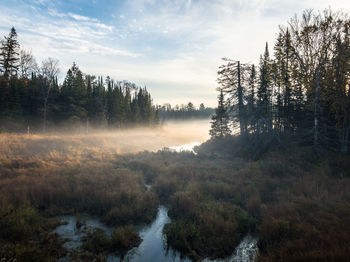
(123, 239)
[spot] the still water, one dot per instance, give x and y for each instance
(153, 246)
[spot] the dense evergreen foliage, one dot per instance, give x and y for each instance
(303, 90)
(31, 97)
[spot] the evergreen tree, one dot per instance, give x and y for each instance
(135, 110)
(127, 105)
(9, 54)
(282, 75)
(264, 93)
(74, 96)
(220, 121)
(251, 100)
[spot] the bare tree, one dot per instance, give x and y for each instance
(231, 79)
(27, 64)
(312, 39)
(49, 70)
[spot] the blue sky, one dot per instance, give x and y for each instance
(172, 47)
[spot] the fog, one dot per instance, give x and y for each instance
(123, 141)
(169, 134)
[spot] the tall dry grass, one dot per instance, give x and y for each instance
(296, 203)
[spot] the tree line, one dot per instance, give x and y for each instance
(302, 90)
(189, 111)
(31, 97)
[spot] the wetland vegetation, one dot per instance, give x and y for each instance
(275, 168)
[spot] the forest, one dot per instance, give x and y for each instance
(32, 98)
(302, 90)
(182, 112)
(275, 167)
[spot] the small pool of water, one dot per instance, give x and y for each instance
(74, 235)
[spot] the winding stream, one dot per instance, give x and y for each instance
(153, 243)
(153, 246)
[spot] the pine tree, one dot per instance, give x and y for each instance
(282, 71)
(74, 95)
(127, 105)
(9, 54)
(251, 107)
(80, 95)
(110, 104)
(135, 110)
(264, 92)
(220, 121)
(67, 96)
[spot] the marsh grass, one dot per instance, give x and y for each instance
(46, 176)
(296, 203)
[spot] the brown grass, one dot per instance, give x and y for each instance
(297, 204)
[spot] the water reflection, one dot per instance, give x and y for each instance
(153, 245)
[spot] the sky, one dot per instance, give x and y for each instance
(174, 47)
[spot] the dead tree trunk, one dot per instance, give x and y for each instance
(240, 101)
(344, 143)
(45, 108)
(316, 109)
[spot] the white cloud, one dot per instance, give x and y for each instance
(81, 17)
(174, 47)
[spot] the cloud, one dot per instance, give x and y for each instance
(81, 17)
(66, 31)
(171, 46)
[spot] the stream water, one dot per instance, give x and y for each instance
(153, 246)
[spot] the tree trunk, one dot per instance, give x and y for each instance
(45, 107)
(316, 107)
(240, 101)
(45, 111)
(345, 139)
(87, 126)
